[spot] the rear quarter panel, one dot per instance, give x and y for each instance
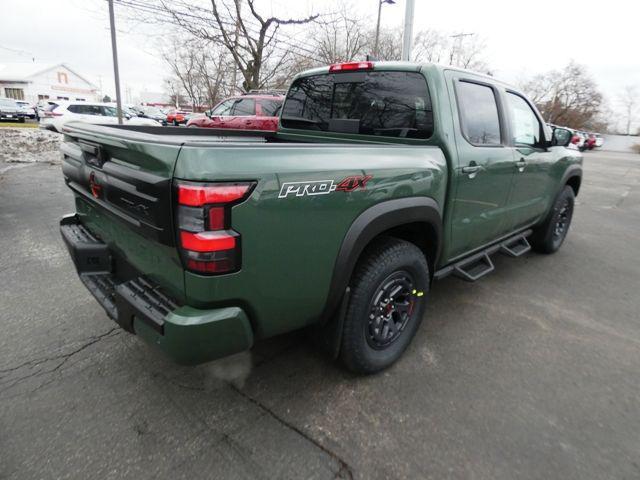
(290, 244)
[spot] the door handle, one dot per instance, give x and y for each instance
(521, 164)
(470, 169)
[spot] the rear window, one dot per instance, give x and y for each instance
(391, 104)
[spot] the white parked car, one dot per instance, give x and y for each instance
(599, 140)
(57, 115)
(27, 108)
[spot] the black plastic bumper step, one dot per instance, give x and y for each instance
(139, 298)
(89, 254)
(122, 298)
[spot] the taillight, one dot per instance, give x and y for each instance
(349, 67)
(207, 242)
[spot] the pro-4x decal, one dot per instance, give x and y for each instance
(324, 187)
(353, 182)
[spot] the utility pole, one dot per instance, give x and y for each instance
(455, 51)
(375, 46)
(234, 75)
(407, 34)
(114, 50)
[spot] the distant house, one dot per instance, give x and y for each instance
(37, 81)
(156, 99)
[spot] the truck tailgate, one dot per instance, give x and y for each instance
(122, 187)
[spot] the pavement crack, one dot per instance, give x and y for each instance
(345, 471)
(63, 359)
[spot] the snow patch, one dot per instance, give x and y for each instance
(29, 145)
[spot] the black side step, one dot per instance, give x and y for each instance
(479, 264)
(474, 268)
(515, 247)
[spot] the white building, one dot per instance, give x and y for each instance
(37, 81)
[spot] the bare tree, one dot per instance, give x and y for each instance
(569, 97)
(182, 60)
(340, 38)
(172, 87)
(629, 101)
(389, 44)
(254, 41)
(463, 50)
(249, 50)
(201, 69)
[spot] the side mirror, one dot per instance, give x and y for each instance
(561, 137)
(208, 113)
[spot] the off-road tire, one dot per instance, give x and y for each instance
(549, 237)
(386, 261)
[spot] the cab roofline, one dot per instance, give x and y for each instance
(409, 67)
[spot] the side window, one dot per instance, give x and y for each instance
(106, 111)
(223, 109)
(478, 113)
(76, 109)
(271, 108)
(244, 107)
(525, 126)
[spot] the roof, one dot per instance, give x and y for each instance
(23, 72)
(405, 67)
(257, 96)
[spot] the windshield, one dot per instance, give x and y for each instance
(392, 104)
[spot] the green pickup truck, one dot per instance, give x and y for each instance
(381, 178)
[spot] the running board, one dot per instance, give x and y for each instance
(515, 247)
(474, 268)
(479, 264)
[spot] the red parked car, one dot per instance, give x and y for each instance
(247, 112)
(176, 117)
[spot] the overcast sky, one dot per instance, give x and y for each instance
(523, 37)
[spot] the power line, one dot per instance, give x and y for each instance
(202, 22)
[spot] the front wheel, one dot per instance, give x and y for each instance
(388, 292)
(549, 236)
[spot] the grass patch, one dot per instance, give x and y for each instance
(18, 125)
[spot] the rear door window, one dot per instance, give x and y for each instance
(479, 117)
(390, 104)
(244, 107)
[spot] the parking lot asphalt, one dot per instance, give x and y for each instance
(531, 373)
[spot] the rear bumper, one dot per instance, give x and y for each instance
(188, 335)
